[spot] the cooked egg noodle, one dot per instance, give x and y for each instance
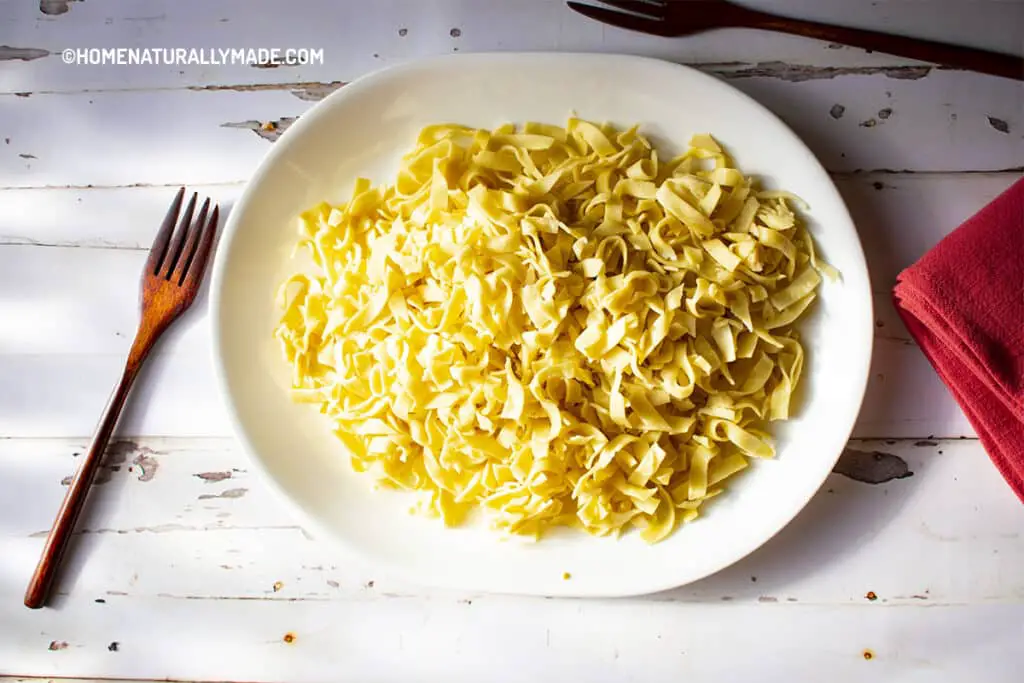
(551, 324)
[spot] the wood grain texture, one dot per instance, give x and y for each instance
(928, 51)
(357, 40)
(181, 528)
(188, 518)
(185, 567)
(933, 123)
(76, 317)
(514, 640)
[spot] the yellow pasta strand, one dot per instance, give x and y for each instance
(551, 325)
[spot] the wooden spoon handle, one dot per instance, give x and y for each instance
(74, 500)
(943, 54)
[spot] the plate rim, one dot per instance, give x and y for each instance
(334, 539)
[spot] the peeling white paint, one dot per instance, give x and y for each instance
(187, 568)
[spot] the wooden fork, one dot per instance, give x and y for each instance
(173, 273)
(672, 18)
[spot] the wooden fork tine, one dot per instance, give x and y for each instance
(194, 274)
(188, 251)
(623, 20)
(647, 9)
(163, 236)
(178, 240)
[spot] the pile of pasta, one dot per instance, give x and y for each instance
(552, 325)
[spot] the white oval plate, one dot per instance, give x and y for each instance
(362, 129)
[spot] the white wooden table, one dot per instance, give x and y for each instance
(185, 568)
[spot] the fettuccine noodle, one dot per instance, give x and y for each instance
(553, 324)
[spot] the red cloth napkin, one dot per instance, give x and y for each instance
(963, 302)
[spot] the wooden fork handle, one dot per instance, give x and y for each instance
(74, 500)
(942, 54)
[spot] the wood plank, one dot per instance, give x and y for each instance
(158, 605)
(72, 315)
(61, 395)
(76, 309)
(500, 639)
(899, 215)
(81, 302)
(96, 217)
(67, 140)
(358, 38)
(188, 518)
(230, 595)
(215, 136)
